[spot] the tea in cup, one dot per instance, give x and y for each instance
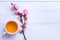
(11, 27)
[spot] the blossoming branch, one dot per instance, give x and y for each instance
(22, 16)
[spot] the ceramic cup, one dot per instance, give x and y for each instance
(11, 27)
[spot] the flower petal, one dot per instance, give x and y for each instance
(25, 11)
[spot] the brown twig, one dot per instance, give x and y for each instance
(23, 33)
(21, 20)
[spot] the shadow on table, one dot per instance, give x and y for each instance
(7, 36)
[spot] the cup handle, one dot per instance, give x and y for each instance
(4, 33)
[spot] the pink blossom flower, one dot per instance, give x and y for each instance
(14, 6)
(25, 12)
(22, 31)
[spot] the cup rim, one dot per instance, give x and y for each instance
(10, 32)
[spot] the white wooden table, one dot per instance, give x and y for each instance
(43, 22)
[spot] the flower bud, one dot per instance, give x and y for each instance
(14, 6)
